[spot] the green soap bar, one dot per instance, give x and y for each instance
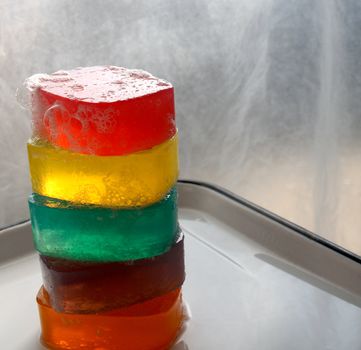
(91, 233)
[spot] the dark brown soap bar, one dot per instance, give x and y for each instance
(88, 287)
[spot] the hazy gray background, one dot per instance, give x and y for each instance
(268, 93)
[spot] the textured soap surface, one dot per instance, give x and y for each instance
(92, 233)
(103, 162)
(152, 325)
(138, 179)
(87, 287)
(103, 110)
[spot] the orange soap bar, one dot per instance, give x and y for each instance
(102, 110)
(152, 325)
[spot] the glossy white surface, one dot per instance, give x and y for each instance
(250, 288)
(239, 300)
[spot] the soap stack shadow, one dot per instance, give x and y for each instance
(104, 210)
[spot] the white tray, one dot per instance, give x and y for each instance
(254, 281)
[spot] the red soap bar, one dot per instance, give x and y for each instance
(102, 110)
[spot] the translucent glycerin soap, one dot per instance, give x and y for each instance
(152, 325)
(102, 110)
(137, 179)
(92, 233)
(88, 287)
(103, 159)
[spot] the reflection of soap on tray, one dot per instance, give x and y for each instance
(104, 164)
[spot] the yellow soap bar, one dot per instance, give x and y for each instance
(137, 179)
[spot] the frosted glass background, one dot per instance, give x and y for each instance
(268, 93)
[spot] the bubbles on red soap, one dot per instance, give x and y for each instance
(92, 84)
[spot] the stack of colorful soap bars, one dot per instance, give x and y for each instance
(104, 164)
